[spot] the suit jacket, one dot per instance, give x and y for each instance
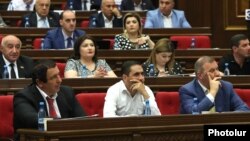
(225, 100)
(129, 5)
(24, 66)
(26, 106)
(53, 19)
(77, 4)
(54, 38)
(98, 19)
(154, 19)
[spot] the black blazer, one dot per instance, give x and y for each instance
(24, 66)
(98, 19)
(26, 106)
(77, 4)
(53, 18)
(129, 5)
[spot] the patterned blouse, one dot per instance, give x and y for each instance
(123, 43)
(81, 69)
(177, 69)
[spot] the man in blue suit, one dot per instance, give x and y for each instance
(109, 16)
(79, 4)
(213, 94)
(166, 17)
(63, 37)
(137, 5)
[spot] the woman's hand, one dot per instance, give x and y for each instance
(100, 72)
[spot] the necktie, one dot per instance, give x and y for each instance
(69, 42)
(27, 7)
(52, 111)
(44, 22)
(84, 4)
(12, 71)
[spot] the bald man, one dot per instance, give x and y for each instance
(10, 54)
(109, 16)
(42, 17)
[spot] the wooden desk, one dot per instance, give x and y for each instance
(11, 17)
(172, 83)
(171, 128)
(27, 35)
(115, 58)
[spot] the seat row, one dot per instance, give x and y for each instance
(92, 103)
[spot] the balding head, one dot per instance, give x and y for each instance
(10, 47)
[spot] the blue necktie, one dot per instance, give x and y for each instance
(69, 42)
(27, 7)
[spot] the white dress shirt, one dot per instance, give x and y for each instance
(119, 102)
(42, 22)
(7, 63)
(54, 102)
(108, 23)
(19, 5)
(167, 20)
(88, 4)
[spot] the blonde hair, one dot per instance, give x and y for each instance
(163, 45)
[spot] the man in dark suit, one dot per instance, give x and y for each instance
(10, 54)
(46, 84)
(137, 5)
(109, 16)
(63, 37)
(42, 17)
(79, 4)
(213, 94)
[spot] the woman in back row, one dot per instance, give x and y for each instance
(132, 37)
(84, 62)
(163, 59)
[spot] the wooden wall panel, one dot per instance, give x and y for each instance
(225, 17)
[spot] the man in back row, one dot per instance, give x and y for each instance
(42, 17)
(63, 37)
(166, 17)
(239, 60)
(109, 17)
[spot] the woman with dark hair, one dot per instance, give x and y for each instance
(163, 59)
(84, 62)
(132, 37)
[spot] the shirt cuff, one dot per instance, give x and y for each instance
(210, 97)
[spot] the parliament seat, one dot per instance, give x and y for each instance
(168, 102)
(61, 67)
(6, 117)
(37, 43)
(184, 42)
(85, 23)
(92, 103)
(244, 94)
